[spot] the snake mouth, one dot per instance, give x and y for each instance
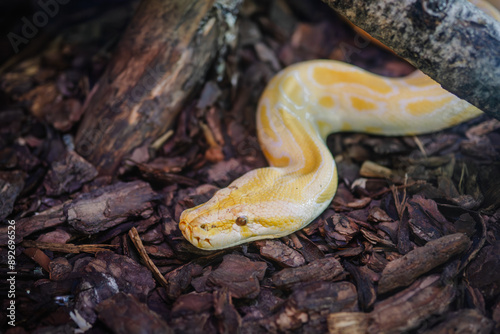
(203, 243)
(187, 231)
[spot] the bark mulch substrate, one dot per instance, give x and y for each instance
(411, 242)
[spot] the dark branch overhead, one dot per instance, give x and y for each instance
(453, 42)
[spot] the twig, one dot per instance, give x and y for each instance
(134, 236)
(65, 248)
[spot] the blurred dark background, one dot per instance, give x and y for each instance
(49, 18)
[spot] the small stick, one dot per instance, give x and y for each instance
(134, 236)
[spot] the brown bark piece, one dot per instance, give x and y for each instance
(130, 276)
(124, 313)
(240, 275)
(496, 316)
(375, 239)
(193, 302)
(364, 284)
(277, 251)
(425, 219)
(58, 236)
(339, 230)
(11, 185)
(348, 322)
(405, 270)
(166, 50)
(307, 248)
(159, 177)
(191, 313)
(162, 250)
(59, 268)
(105, 276)
(376, 262)
(324, 269)
(48, 218)
(180, 278)
(464, 322)
(229, 318)
(39, 257)
(90, 212)
(109, 206)
(404, 311)
(66, 248)
(200, 283)
(377, 215)
(484, 271)
(68, 174)
(453, 42)
(310, 303)
(372, 169)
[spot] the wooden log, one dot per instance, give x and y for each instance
(400, 313)
(159, 62)
(453, 42)
(407, 269)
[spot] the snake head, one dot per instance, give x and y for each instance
(237, 214)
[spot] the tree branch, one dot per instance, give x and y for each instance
(160, 61)
(453, 42)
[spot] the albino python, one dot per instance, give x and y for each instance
(300, 106)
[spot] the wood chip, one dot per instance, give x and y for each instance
(405, 270)
(229, 320)
(59, 268)
(484, 271)
(11, 185)
(277, 251)
(191, 313)
(106, 275)
(320, 270)
(67, 248)
(402, 312)
(371, 169)
(39, 257)
(179, 279)
(464, 321)
(124, 313)
(308, 303)
(240, 275)
(339, 230)
(109, 206)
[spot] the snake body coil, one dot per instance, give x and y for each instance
(300, 106)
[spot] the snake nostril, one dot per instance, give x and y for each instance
(182, 225)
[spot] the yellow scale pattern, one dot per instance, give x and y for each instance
(300, 106)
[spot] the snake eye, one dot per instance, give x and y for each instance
(241, 221)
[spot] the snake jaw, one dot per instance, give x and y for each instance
(190, 233)
(186, 230)
(199, 226)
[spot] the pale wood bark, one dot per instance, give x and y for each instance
(453, 42)
(161, 59)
